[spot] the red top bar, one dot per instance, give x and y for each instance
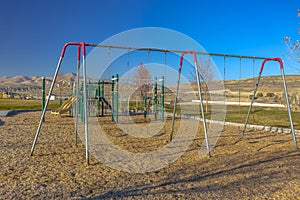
(83, 48)
(66, 45)
(271, 59)
(186, 52)
(78, 53)
(79, 44)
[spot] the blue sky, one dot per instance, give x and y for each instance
(33, 32)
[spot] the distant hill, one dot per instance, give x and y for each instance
(244, 85)
(270, 89)
(33, 81)
(267, 84)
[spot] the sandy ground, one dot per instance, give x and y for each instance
(262, 165)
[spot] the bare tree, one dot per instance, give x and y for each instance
(205, 71)
(293, 50)
(206, 74)
(142, 78)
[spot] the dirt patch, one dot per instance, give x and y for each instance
(262, 165)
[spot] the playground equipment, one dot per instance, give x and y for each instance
(82, 107)
(120, 104)
(65, 107)
(127, 100)
(286, 97)
(96, 91)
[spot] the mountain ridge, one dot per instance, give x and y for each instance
(33, 81)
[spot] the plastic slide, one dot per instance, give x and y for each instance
(65, 107)
(106, 102)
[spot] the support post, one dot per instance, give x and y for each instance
(145, 106)
(163, 99)
(201, 105)
(102, 96)
(77, 94)
(117, 99)
(43, 95)
(60, 95)
(251, 104)
(98, 98)
(90, 87)
(289, 108)
(85, 96)
(155, 99)
(175, 105)
(81, 107)
(46, 105)
(112, 98)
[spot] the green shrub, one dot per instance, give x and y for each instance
(271, 94)
(260, 94)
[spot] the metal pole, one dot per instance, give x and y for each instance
(43, 95)
(163, 99)
(81, 109)
(239, 87)
(155, 99)
(85, 94)
(102, 96)
(46, 106)
(117, 98)
(224, 83)
(89, 92)
(98, 97)
(112, 98)
(175, 104)
(145, 106)
(77, 94)
(288, 108)
(202, 107)
(171, 50)
(60, 95)
(250, 108)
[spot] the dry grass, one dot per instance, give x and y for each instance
(21, 104)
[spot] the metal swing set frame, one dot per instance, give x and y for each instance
(279, 60)
(81, 52)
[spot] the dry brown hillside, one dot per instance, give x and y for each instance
(270, 89)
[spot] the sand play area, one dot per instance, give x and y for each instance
(262, 165)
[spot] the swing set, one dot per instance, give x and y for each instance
(81, 51)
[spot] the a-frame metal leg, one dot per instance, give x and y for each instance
(202, 108)
(175, 105)
(200, 97)
(286, 97)
(77, 96)
(46, 105)
(289, 108)
(250, 108)
(85, 95)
